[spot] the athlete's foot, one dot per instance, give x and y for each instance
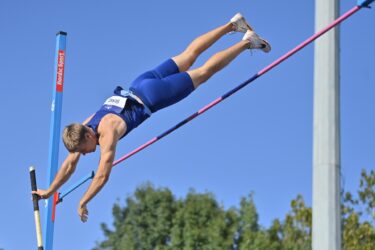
(239, 23)
(256, 42)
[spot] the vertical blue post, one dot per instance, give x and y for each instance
(56, 108)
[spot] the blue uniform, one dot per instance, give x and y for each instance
(157, 88)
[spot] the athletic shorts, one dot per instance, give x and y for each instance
(163, 86)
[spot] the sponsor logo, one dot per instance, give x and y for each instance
(60, 71)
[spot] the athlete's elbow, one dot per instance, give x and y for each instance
(102, 178)
(71, 168)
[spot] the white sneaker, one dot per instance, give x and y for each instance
(256, 42)
(240, 24)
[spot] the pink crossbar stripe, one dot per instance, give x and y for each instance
(208, 106)
(123, 158)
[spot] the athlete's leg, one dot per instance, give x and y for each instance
(200, 44)
(170, 82)
(217, 62)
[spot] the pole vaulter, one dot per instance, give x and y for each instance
(360, 4)
(363, 3)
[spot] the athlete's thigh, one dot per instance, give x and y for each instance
(161, 93)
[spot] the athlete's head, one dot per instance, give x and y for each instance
(79, 138)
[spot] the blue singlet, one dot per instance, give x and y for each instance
(157, 88)
(132, 112)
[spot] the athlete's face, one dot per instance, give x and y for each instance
(89, 145)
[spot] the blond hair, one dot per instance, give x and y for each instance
(73, 136)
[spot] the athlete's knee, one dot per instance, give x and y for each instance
(184, 60)
(190, 57)
(206, 72)
(200, 75)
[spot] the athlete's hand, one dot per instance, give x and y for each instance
(42, 194)
(83, 213)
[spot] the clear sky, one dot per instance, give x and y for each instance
(257, 140)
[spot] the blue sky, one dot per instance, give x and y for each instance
(257, 140)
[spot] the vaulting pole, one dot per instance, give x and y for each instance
(36, 209)
(56, 109)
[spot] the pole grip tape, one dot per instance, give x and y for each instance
(36, 209)
(34, 188)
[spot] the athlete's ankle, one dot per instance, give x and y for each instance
(232, 27)
(246, 44)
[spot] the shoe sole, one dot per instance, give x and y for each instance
(265, 46)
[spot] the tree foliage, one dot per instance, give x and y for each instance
(358, 215)
(152, 218)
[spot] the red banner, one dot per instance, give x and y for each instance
(60, 71)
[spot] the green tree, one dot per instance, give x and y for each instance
(145, 223)
(358, 215)
(152, 219)
(250, 234)
(200, 223)
(297, 227)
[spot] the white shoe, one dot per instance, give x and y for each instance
(240, 24)
(256, 42)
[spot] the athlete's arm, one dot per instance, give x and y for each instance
(87, 120)
(67, 169)
(108, 141)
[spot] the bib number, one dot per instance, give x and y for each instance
(115, 103)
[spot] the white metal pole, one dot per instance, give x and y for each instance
(326, 233)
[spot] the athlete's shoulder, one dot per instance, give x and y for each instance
(111, 123)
